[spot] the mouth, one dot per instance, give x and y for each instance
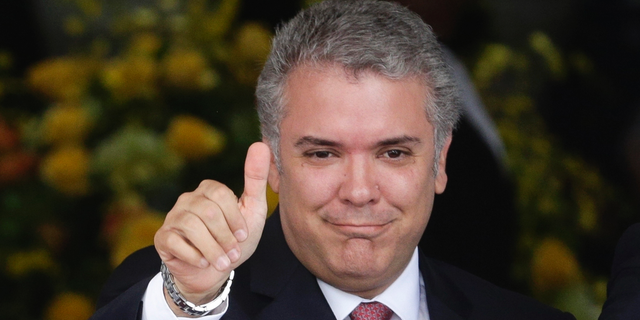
(366, 230)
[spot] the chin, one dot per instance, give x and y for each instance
(361, 258)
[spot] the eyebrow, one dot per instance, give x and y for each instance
(399, 140)
(310, 140)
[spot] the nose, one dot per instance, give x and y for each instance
(359, 186)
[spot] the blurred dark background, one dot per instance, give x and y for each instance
(544, 168)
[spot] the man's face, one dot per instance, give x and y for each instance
(357, 181)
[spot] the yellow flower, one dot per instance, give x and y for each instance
(66, 169)
(193, 138)
(272, 199)
(133, 77)
(22, 263)
(250, 50)
(188, 69)
(553, 266)
(60, 79)
(66, 124)
(136, 233)
(69, 306)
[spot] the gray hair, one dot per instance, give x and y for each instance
(377, 36)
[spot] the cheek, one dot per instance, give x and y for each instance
(412, 194)
(409, 189)
(308, 189)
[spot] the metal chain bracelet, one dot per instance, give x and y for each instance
(191, 308)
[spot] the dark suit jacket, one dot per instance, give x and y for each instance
(623, 291)
(273, 284)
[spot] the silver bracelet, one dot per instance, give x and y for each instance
(191, 308)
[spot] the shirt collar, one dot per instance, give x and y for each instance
(403, 296)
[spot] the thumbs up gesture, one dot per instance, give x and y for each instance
(209, 231)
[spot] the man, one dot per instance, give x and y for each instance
(357, 109)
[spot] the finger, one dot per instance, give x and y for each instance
(194, 230)
(256, 172)
(171, 245)
(234, 219)
(212, 226)
(227, 202)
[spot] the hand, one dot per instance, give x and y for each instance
(209, 231)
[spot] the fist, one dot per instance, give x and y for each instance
(209, 231)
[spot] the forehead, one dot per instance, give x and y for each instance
(332, 100)
(316, 77)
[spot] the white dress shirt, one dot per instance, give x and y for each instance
(406, 297)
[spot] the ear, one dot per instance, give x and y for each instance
(441, 176)
(274, 174)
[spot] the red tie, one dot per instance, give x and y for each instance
(371, 311)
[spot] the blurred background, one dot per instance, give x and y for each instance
(110, 109)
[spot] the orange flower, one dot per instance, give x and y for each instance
(66, 170)
(70, 306)
(553, 266)
(193, 138)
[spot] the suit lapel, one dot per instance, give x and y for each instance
(277, 273)
(300, 298)
(445, 300)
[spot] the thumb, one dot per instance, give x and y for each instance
(256, 172)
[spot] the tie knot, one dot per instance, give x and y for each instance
(371, 311)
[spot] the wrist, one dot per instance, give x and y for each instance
(197, 307)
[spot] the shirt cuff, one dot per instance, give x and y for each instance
(155, 306)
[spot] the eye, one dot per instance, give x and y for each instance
(394, 153)
(322, 154)
(319, 154)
